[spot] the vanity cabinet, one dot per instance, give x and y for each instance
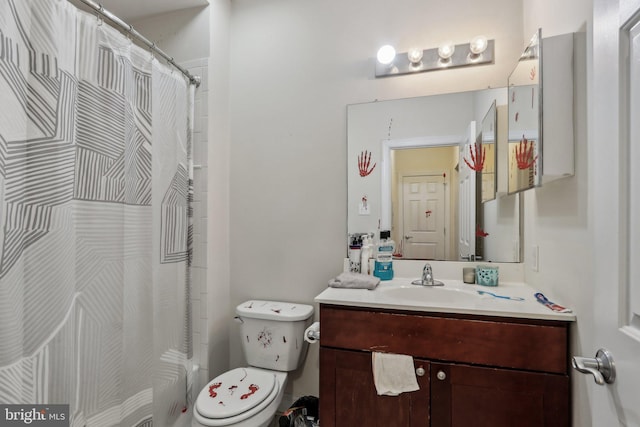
(478, 370)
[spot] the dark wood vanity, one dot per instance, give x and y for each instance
(479, 371)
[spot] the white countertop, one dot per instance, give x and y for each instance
(454, 297)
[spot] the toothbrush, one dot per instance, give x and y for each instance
(553, 306)
(500, 296)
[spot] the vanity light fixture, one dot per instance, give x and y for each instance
(478, 45)
(446, 51)
(448, 55)
(415, 56)
(386, 54)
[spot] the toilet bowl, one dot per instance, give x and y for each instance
(228, 408)
(272, 336)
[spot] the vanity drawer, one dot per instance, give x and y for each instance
(508, 343)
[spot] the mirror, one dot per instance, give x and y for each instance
(401, 148)
(525, 117)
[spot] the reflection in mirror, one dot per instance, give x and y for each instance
(525, 118)
(421, 199)
(489, 154)
(413, 146)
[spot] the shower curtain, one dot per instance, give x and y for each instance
(95, 179)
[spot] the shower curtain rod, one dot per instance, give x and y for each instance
(98, 8)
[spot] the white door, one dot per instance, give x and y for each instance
(424, 216)
(467, 199)
(614, 152)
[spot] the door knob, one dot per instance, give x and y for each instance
(420, 371)
(601, 367)
(408, 237)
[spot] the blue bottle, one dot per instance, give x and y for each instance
(383, 266)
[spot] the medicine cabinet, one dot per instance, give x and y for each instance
(542, 90)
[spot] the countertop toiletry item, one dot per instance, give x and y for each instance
(552, 305)
(486, 276)
(355, 250)
(500, 296)
(365, 253)
(383, 267)
(469, 275)
(354, 281)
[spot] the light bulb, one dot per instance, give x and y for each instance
(445, 51)
(478, 45)
(415, 56)
(386, 54)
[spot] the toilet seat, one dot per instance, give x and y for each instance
(235, 396)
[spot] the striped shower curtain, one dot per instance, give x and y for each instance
(95, 179)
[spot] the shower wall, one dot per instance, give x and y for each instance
(200, 326)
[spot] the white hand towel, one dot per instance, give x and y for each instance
(354, 281)
(393, 373)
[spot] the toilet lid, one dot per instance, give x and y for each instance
(234, 392)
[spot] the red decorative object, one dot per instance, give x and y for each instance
(252, 389)
(265, 338)
(478, 153)
(212, 389)
(524, 154)
(480, 232)
(364, 160)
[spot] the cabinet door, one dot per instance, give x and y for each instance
(348, 395)
(463, 396)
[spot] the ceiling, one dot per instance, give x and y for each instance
(129, 10)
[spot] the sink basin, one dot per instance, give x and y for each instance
(426, 294)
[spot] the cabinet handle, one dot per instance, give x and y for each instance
(420, 371)
(441, 375)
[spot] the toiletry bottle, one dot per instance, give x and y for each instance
(384, 257)
(364, 254)
(355, 249)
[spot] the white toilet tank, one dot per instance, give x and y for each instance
(272, 333)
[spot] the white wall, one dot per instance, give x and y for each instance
(183, 34)
(557, 215)
(296, 65)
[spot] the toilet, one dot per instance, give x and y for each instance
(272, 335)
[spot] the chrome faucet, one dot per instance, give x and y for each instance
(427, 277)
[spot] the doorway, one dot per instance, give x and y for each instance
(425, 216)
